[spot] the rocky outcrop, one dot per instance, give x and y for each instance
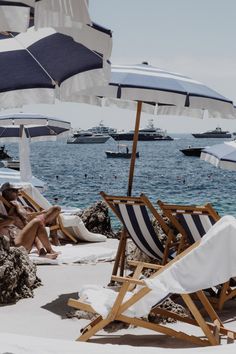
(18, 276)
(97, 220)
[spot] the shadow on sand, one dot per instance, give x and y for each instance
(59, 306)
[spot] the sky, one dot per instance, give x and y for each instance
(194, 38)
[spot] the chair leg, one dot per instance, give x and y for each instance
(200, 320)
(120, 251)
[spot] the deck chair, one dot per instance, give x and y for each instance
(25, 200)
(134, 214)
(193, 222)
(68, 222)
(183, 275)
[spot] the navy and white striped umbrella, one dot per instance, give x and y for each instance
(39, 66)
(221, 155)
(70, 17)
(154, 90)
(161, 91)
(24, 128)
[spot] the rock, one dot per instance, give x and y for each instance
(18, 276)
(96, 219)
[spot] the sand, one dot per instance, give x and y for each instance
(40, 324)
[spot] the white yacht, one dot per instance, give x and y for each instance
(87, 137)
(102, 129)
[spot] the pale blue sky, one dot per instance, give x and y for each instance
(195, 38)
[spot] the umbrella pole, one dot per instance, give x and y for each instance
(134, 148)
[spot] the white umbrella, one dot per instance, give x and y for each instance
(221, 155)
(23, 128)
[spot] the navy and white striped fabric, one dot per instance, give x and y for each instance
(221, 155)
(162, 92)
(140, 229)
(37, 127)
(70, 17)
(195, 225)
(49, 65)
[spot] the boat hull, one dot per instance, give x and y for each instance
(120, 155)
(88, 140)
(214, 136)
(130, 137)
(192, 151)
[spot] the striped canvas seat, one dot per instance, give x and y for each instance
(192, 222)
(133, 212)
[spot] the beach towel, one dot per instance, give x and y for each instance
(77, 254)
(213, 262)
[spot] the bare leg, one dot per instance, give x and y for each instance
(51, 219)
(29, 234)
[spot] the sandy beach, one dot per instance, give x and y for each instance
(41, 325)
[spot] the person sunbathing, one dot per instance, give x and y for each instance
(33, 233)
(22, 215)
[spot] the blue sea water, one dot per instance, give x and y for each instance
(161, 172)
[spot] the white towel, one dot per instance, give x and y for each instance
(213, 262)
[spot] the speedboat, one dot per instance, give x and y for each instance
(216, 133)
(86, 137)
(150, 133)
(192, 151)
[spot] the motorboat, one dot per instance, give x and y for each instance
(86, 137)
(192, 151)
(150, 133)
(4, 154)
(122, 152)
(123, 155)
(13, 164)
(216, 133)
(7, 161)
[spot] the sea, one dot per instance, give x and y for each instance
(76, 173)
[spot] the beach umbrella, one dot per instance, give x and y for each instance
(70, 17)
(221, 155)
(40, 66)
(25, 128)
(14, 177)
(157, 91)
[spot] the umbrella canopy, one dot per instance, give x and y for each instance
(221, 155)
(154, 90)
(23, 128)
(49, 65)
(11, 176)
(70, 17)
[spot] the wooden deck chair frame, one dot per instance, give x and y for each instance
(141, 201)
(170, 211)
(37, 210)
(211, 330)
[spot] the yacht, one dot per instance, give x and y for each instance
(102, 129)
(150, 133)
(87, 137)
(216, 133)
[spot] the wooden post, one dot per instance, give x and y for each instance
(134, 148)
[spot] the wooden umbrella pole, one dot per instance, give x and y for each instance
(134, 148)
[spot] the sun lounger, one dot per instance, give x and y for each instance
(193, 222)
(69, 223)
(187, 274)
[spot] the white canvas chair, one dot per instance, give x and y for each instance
(187, 274)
